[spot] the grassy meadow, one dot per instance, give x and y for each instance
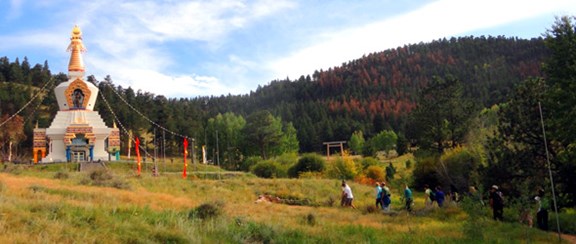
(56, 204)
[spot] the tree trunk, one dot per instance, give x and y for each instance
(10, 151)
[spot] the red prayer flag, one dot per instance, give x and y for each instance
(138, 155)
(185, 155)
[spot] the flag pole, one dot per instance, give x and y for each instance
(550, 171)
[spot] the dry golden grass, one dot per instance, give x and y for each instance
(155, 209)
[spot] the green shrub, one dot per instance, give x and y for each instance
(100, 176)
(566, 219)
(287, 159)
(311, 219)
(390, 172)
(249, 162)
(308, 163)
(206, 211)
(458, 166)
(408, 164)
(425, 172)
(267, 169)
(368, 161)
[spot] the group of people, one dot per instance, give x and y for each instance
(383, 196)
(437, 196)
(496, 200)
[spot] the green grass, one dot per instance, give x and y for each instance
(38, 207)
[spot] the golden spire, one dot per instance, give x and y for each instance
(76, 47)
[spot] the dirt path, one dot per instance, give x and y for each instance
(569, 238)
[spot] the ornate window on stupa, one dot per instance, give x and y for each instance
(77, 98)
(77, 94)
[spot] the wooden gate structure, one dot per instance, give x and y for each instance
(331, 144)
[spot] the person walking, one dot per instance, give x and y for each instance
(497, 203)
(386, 200)
(429, 196)
(379, 196)
(348, 194)
(408, 198)
(440, 196)
(542, 214)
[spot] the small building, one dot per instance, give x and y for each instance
(77, 133)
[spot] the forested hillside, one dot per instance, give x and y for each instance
(377, 91)
(370, 94)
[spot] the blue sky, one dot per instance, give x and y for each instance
(197, 48)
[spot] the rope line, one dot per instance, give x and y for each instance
(142, 115)
(28, 103)
(121, 125)
(37, 106)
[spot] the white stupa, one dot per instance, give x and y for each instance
(77, 133)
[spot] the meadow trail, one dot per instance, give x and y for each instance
(569, 238)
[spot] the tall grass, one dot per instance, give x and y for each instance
(37, 208)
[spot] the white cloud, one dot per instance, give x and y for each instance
(436, 20)
(201, 20)
(173, 86)
(130, 45)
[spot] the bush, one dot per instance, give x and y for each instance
(100, 176)
(566, 219)
(206, 211)
(408, 164)
(425, 172)
(390, 172)
(249, 162)
(368, 161)
(375, 172)
(458, 166)
(308, 163)
(342, 168)
(287, 159)
(311, 219)
(267, 169)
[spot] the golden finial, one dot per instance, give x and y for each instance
(76, 47)
(76, 32)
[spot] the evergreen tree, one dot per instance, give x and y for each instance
(559, 108)
(442, 115)
(516, 152)
(263, 132)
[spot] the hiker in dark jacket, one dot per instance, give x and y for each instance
(440, 196)
(497, 203)
(542, 214)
